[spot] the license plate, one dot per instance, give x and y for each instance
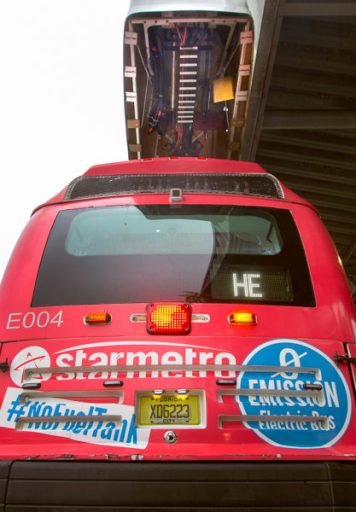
(165, 409)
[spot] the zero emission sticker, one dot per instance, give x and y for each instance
(332, 402)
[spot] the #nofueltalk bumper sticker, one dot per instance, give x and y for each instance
(98, 425)
(333, 401)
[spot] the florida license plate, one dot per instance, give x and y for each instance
(168, 409)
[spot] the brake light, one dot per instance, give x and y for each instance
(169, 318)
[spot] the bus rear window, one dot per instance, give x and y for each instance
(130, 254)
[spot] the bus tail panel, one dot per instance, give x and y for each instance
(169, 399)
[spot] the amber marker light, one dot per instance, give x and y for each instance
(97, 318)
(169, 318)
(242, 318)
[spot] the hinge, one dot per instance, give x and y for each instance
(4, 365)
(344, 359)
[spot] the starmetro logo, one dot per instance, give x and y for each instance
(118, 355)
(29, 357)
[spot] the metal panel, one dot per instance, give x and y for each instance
(308, 136)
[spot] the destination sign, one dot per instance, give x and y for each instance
(253, 285)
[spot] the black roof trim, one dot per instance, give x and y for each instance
(251, 184)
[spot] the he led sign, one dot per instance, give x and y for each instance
(247, 285)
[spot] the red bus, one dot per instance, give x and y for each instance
(176, 333)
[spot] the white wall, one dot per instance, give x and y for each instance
(61, 100)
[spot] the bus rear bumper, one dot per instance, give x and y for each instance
(58, 486)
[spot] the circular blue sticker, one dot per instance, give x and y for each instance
(331, 404)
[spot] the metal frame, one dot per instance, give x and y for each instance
(187, 94)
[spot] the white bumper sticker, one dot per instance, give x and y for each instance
(99, 431)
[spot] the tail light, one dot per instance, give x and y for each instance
(169, 318)
(242, 318)
(97, 318)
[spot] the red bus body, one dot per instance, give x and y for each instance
(80, 358)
